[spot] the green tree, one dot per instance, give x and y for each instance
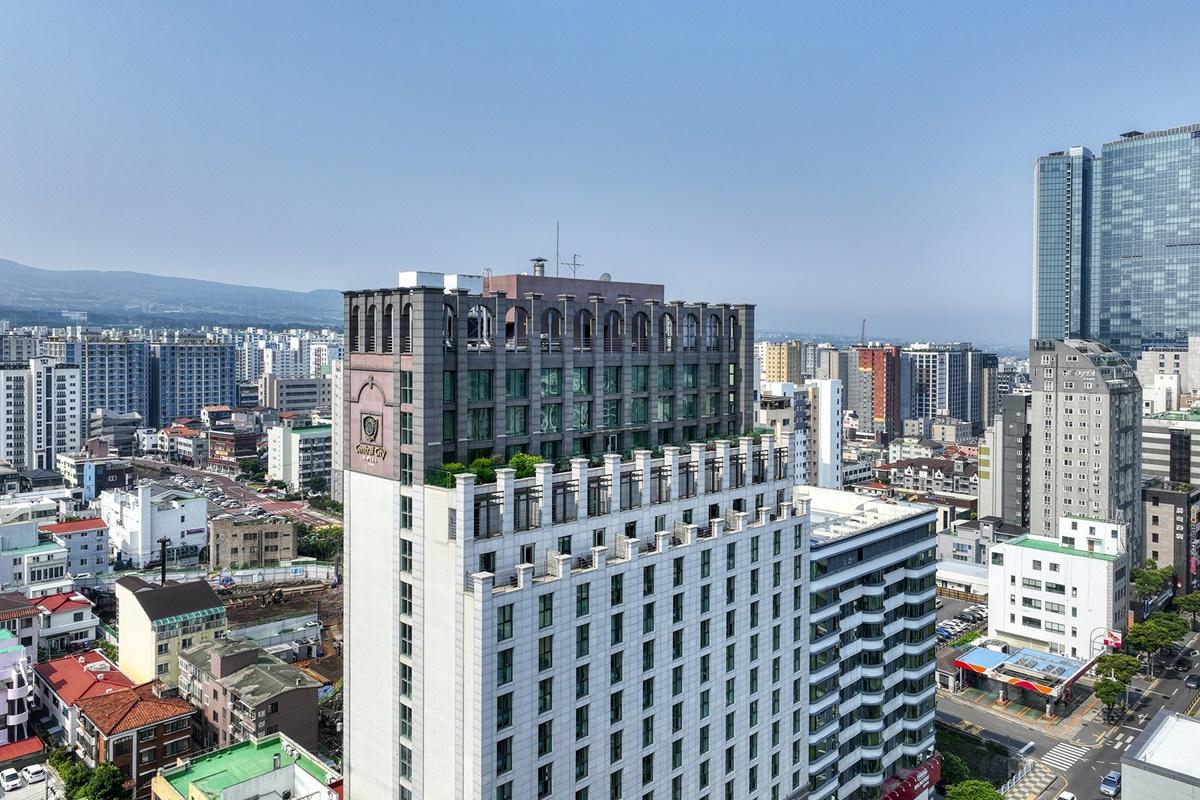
(105, 783)
(1110, 693)
(973, 790)
(317, 483)
(954, 769)
(1117, 666)
(1189, 603)
(1148, 638)
(74, 777)
(1175, 627)
(249, 465)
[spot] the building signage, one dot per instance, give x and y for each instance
(914, 783)
(1113, 639)
(370, 450)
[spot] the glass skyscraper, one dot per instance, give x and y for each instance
(1117, 241)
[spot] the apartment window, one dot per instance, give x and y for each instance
(504, 666)
(616, 589)
(545, 653)
(582, 599)
(479, 385)
(545, 780)
(516, 420)
(545, 610)
(545, 695)
(612, 380)
(516, 384)
(504, 704)
(581, 380)
(551, 382)
(582, 640)
(504, 623)
(545, 738)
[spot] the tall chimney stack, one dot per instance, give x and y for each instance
(539, 266)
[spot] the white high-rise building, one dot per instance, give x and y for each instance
(41, 412)
(321, 356)
(825, 403)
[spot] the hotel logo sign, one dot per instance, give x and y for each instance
(369, 430)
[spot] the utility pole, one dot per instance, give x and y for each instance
(556, 261)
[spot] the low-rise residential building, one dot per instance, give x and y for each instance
(20, 617)
(192, 450)
(28, 565)
(914, 447)
(932, 476)
(68, 621)
(227, 447)
(86, 541)
(137, 730)
(94, 475)
(1171, 446)
(1066, 594)
(118, 431)
(168, 440)
(157, 622)
(244, 693)
(269, 767)
(238, 542)
(61, 683)
(1163, 762)
(301, 457)
(139, 518)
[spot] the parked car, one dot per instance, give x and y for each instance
(10, 779)
(34, 773)
(1183, 665)
(1067, 796)
(1110, 784)
(1192, 682)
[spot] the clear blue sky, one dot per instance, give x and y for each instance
(830, 162)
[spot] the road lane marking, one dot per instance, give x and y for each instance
(1063, 756)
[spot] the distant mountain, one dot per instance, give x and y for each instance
(29, 295)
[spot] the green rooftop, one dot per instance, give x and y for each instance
(1054, 547)
(1191, 415)
(208, 776)
(8, 642)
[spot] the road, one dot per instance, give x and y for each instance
(245, 496)
(1103, 743)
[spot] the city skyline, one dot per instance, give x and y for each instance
(220, 146)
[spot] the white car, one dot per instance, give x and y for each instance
(34, 773)
(10, 779)
(1067, 796)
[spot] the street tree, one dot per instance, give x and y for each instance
(954, 769)
(1148, 638)
(1110, 693)
(973, 790)
(1189, 603)
(1175, 627)
(1117, 666)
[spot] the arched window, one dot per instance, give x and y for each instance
(613, 331)
(480, 330)
(712, 333)
(641, 333)
(583, 330)
(370, 337)
(449, 327)
(552, 330)
(354, 329)
(691, 333)
(406, 328)
(388, 333)
(735, 333)
(666, 333)
(516, 329)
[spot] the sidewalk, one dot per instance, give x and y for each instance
(1033, 785)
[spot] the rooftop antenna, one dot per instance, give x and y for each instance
(575, 264)
(862, 337)
(556, 261)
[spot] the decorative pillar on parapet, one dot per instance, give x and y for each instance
(697, 458)
(579, 474)
(671, 462)
(464, 500)
(504, 485)
(787, 441)
(612, 468)
(543, 476)
(723, 460)
(767, 443)
(746, 448)
(641, 461)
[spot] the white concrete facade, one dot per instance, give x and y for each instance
(138, 518)
(1065, 594)
(41, 412)
(825, 404)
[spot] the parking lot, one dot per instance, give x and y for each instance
(50, 788)
(957, 618)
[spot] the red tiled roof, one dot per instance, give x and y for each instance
(71, 681)
(180, 431)
(74, 526)
(134, 708)
(20, 749)
(63, 601)
(14, 605)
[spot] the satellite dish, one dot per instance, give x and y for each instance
(604, 276)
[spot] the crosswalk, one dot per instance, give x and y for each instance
(1063, 756)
